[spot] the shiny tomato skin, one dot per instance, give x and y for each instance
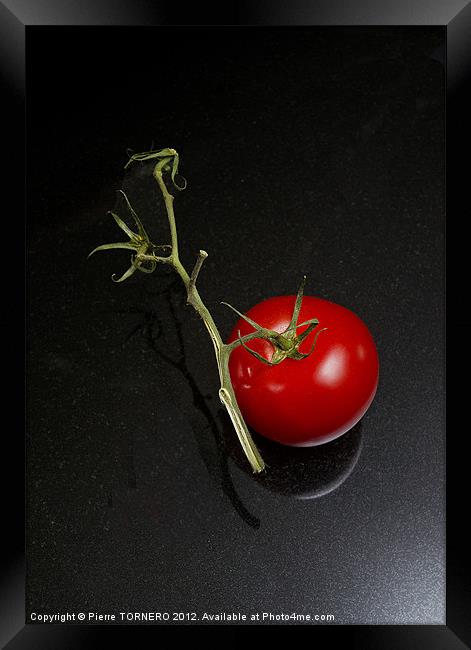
(311, 401)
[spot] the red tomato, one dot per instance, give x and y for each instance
(313, 400)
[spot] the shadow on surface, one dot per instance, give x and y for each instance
(301, 473)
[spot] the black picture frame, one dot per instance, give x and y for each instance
(15, 20)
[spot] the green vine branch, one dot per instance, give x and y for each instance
(145, 257)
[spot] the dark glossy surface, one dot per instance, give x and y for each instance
(317, 153)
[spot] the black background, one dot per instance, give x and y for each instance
(317, 151)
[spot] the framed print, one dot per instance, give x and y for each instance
(185, 466)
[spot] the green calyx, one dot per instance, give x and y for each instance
(144, 258)
(286, 344)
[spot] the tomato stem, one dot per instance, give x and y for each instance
(166, 161)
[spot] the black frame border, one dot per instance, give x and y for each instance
(14, 22)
